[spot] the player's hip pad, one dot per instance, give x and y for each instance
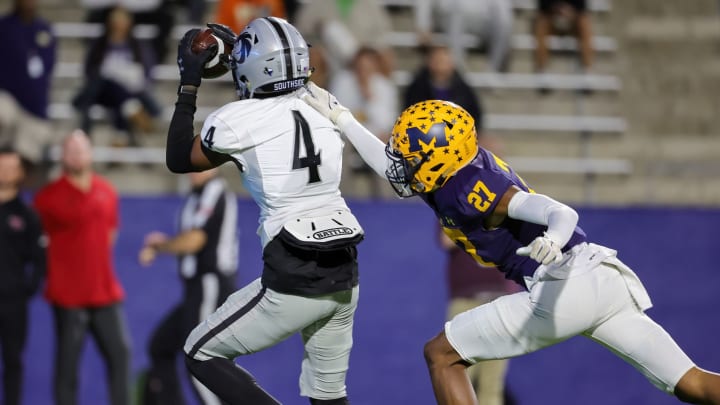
(328, 232)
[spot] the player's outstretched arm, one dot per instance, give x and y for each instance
(370, 148)
(188, 242)
(540, 209)
(183, 151)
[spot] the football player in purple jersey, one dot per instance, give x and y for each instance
(573, 287)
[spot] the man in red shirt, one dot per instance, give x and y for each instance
(79, 213)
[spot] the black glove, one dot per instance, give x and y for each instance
(191, 65)
(224, 33)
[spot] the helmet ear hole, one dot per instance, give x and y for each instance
(437, 167)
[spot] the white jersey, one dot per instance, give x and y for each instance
(290, 154)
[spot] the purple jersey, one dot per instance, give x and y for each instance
(469, 197)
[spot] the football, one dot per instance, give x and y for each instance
(204, 39)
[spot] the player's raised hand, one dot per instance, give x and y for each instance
(324, 102)
(147, 256)
(149, 250)
(191, 64)
(543, 250)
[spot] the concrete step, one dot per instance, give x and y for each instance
(555, 103)
(525, 124)
(166, 78)
(680, 147)
(521, 62)
(672, 28)
(64, 13)
(673, 191)
(73, 11)
(520, 42)
(699, 152)
(665, 8)
(565, 145)
(404, 20)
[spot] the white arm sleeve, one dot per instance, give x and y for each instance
(370, 148)
(540, 209)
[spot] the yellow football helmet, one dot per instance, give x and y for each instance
(430, 142)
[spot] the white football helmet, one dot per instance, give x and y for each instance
(269, 57)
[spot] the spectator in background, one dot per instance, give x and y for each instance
(195, 10)
(438, 79)
(79, 213)
(343, 26)
(291, 9)
(157, 13)
(21, 244)
(320, 68)
(372, 98)
(469, 286)
(207, 249)
(29, 48)
(236, 14)
(117, 70)
(563, 17)
(491, 21)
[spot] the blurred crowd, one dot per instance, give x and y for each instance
(352, 55)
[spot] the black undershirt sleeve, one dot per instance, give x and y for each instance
(216, 158)
(181, 135)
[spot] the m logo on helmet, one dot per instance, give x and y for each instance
(435, 134)
(246, 42)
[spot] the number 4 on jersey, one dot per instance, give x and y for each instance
(208, 139)
(311, 160)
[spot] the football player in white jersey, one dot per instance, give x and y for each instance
(290, 161)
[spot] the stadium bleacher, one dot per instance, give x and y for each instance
(539, 131)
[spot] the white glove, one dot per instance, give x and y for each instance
(543, 250)
(324, 102)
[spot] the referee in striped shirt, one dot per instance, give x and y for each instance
(207, 249)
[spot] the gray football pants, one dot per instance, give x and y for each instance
(255, 318)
